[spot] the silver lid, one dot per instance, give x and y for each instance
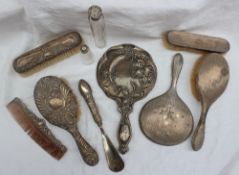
(95, 12)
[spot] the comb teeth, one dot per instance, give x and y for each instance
(36, 128)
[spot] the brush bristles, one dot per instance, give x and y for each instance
(30, 124)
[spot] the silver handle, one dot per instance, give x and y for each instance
(86, 92)
(176, 69)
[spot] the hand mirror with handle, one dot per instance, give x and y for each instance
(126, 73)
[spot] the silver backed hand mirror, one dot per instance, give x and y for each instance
(166, 119)
(126, 73)
(212, 78)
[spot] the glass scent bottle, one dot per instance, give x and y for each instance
(97, 25)
(87, 56)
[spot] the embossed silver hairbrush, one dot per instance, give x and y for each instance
(58, 105)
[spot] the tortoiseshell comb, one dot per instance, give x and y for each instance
(36, 128)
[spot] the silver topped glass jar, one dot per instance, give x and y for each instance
(97, 25)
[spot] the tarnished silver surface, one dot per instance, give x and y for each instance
(211, 80)
(166, 119)
(58, 105)
(196, 41)
(126, 73)
(114, 160)
(63, 45)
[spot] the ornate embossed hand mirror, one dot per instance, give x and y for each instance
(126, 73)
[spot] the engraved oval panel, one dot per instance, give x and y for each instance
(56, 103)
